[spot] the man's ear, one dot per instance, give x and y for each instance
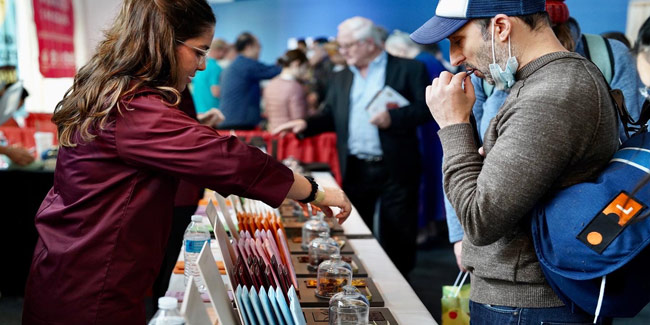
(502, 27)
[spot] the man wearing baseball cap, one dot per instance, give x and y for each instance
(558, 127)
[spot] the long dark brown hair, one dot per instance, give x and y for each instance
(138, 51)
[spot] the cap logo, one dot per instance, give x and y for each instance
(452, 8)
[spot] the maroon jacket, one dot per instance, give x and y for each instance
(187, 194)
(104, 224)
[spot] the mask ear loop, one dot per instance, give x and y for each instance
(494, 57)
(509, 48)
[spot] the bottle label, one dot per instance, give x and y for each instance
(195, 246)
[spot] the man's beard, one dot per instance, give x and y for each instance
(484, 59)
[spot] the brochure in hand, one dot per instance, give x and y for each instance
(385, 99)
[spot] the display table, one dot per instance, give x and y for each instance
(398, 295)
(354, 227)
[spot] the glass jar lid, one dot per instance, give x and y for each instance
(333, 275)
(350, 296)
(312, 228)
(320, 250)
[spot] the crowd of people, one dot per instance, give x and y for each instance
(520, 111)
(391, 161)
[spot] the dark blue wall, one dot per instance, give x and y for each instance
(275, 21)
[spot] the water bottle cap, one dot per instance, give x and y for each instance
(196, 218)
(167, 303)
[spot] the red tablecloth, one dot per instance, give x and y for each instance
(35, 122)
(320, 148)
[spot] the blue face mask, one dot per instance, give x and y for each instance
(503, 79)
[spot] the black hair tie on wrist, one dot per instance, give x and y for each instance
(312, 194)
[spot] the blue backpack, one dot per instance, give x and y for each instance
(592, 238)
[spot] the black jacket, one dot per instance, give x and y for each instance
(399, 142)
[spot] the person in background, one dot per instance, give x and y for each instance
(284, 96)
(124, 147)
(567, 30)
(302, 45)
(619, 37)
(557, 128)
(400, 45)
(240, 85)
(229, 57)
(378, 155)
(16, 153)
(382, 34)
(205, 85)
(431, 210)
(321, 73)
(642, 51)
(434, 50)
(334, 53)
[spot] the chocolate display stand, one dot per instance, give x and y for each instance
(227, 252)
(293, 221)
(295, 245)
(308, 296)
(378, 315)
(294, 226)
(301, 264)
(320, 316)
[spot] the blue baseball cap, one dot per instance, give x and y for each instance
(451, 15)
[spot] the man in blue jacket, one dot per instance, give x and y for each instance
(240, 85)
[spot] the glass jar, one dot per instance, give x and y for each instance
(332, 276)
(320, 249)
(312, 229)
(349, 307)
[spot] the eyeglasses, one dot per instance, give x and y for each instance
(200, 53)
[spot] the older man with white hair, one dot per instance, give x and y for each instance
(378, 154)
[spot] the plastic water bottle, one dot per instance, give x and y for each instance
(195, 235)
(167, 313)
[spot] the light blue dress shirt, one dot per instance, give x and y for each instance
(363, 140)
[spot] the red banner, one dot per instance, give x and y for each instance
(55, 31)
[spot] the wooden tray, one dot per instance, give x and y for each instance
(293, 226)
(295, 248)
(301, 265)
(378, 315)
(308, 296)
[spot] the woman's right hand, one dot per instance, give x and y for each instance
(295, 126)
(335, 197)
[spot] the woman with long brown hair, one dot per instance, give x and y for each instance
(124, 146)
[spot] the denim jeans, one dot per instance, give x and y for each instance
(482, 314)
